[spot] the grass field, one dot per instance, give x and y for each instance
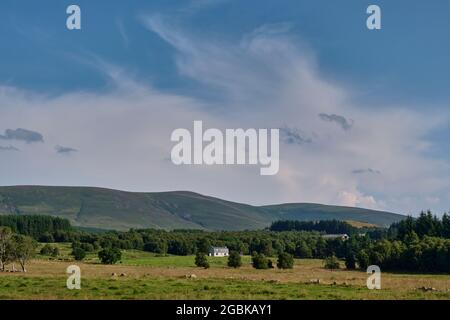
(143, 275)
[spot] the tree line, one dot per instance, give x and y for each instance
(413, 244)
(42, 228)
(325, 226)
(426, 224)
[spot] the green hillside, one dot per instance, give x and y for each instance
(113, 209)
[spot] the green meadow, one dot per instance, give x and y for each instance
(142, 275)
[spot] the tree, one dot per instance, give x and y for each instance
(88, 247)
(24, 249)
(156, 246)
(55, 252)
(363, 259)
(46, 250)
(303, 251)
(350, 261)
(259, 261)
(181, 247)
(46, 237)
(285, 261)
(201, 260)
(110, 255)
(332, 263)
(78, 253)
(411, 238)
(446, 226)
(234, 259)
(5, 246)
(426, 225)
(203, 245)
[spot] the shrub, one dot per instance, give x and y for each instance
(234, 259)
(55, 252)
(110, 255)
(332, 263)
(350, 261)
(285, 261)
(259, 261)
(78, 253)
(363, 259)
(46, 250)
(88, 247)
(201, 260)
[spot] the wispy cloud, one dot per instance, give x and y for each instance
(368, 170)
(8, 148)
(294, 136)
(340, 120)
(123, 32)
(65, 150)
(22, 135)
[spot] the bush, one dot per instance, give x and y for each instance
(285, 261)
(234, 259)
(201, 260)
(110, 255)
(350, 262)
(259, 261)
(88, 247)
(46, 250)
(46, 237)
(55, 252)
(78, 253)
(363, 259)
(332, 263)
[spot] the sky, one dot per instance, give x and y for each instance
(364, 114)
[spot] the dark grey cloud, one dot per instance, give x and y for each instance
(8, 148)
(23, 135)
(340, 120)
(368, 170)
(294, 136)
(65, 150)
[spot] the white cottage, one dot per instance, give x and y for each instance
(343, 237)
(219, 252)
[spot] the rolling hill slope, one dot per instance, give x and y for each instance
(113, 209)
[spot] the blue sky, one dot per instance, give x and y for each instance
(401, 73)
(407, 60)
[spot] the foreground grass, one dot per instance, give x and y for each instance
(143, 275)
(54, 288)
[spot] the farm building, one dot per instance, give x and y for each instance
(343, 237)
(219, 252)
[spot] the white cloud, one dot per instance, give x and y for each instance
(351, 199)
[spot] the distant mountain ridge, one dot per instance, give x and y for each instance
(121, 210)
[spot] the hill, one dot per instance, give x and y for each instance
(112, 209)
